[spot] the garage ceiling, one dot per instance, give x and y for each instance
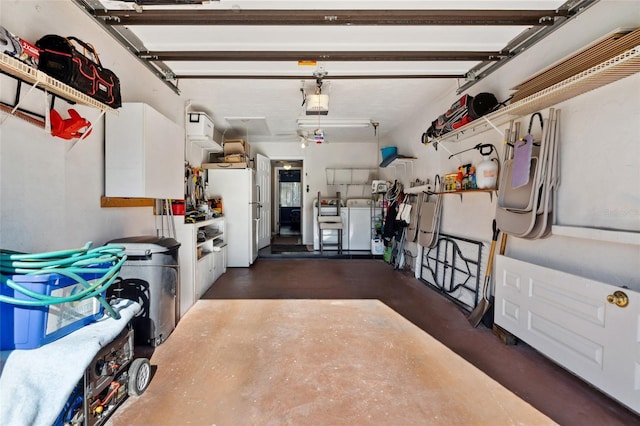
(255, 61)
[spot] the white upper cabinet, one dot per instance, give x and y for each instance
(144, 154)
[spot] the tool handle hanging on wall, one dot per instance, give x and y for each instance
(483, 149)
(480, 147)
(465, 150)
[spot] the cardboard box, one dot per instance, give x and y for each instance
(236, 158)
(235, 146)
(225, 165)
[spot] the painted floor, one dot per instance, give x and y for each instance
(349, 341)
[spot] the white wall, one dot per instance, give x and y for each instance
(50, 192)
(316, 159)
(600, 157)
(49, 196)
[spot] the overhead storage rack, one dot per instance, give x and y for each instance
(609, 71)
(38, 79)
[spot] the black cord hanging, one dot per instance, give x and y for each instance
(535, 114)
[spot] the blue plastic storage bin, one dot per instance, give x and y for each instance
(29, 327)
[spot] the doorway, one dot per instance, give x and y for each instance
(287, 203)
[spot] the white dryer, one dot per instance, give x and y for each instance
(359, 226)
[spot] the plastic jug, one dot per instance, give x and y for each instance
(487, 169)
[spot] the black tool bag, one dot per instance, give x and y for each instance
(60, 59)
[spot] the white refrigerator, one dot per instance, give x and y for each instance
(237, 188)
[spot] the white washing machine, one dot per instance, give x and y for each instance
(330, 237)
(359, 227)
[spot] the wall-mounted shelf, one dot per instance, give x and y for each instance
(215, 235)
(419, 189)
(404, 162)
(33, 76)
(468, 191)
(614, 69)
(25, 73)
(598, 234)
(126, 202)
(206, 144)
(352, 176)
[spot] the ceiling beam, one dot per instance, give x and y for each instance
(303, 77)
(321, 56)
(328, 17)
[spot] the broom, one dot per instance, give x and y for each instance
(483, 306)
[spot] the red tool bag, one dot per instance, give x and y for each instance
(463, 111)
(60, 59)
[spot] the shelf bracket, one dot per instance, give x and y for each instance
(47, 112)
(17, 105)
(492, 125)
(461, 193)
(404, 163)
(86, 133)
(395, 169)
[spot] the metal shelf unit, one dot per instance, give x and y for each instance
(350, 176)
(378, 211)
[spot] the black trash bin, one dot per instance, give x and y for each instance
(150, 276)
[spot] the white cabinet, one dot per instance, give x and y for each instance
(203, 258)
(144, 154)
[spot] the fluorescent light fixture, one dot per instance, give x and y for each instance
(314, 123)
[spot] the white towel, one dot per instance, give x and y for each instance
(36, 383)
(404, 212)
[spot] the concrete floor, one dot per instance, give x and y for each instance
(239, 358)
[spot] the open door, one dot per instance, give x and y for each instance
(263, 181)
(286, 203)
(289, 195)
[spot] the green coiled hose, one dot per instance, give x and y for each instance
(71, 263)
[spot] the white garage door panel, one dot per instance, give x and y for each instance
(569, 319)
